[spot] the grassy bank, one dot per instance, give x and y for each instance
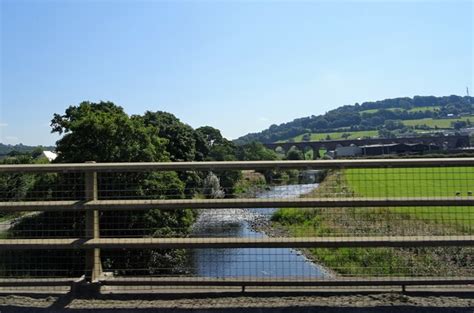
(385, 221)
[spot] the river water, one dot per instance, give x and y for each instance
(245, 262)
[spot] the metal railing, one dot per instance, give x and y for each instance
(93, 244)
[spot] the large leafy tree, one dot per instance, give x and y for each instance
(214, 146)
(103, 132)
(180, 137)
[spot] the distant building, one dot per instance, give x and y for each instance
(399, 148)
(349, 151)
(49, 155)
(379, 149)
(467, 131)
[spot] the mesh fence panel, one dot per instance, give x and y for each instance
(437, 183)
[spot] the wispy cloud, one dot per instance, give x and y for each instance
(3, 124)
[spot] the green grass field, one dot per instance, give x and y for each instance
(418, 182)
(411, 182)
(440, 123)
(369, 111)
(424, 109)
(337, 135)
(376, 110)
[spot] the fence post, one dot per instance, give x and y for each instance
(93, 262)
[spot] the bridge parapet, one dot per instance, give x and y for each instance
(388, 206)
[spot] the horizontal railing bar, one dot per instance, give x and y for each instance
(75, 205)
(294, 281)
(23, 206)
(26, 244)
(276, 203)
(233, 165)
(243, 281)
(37, 282)
(295, 242)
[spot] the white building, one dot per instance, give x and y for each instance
(49, 155)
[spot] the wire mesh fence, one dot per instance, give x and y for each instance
(316, 222)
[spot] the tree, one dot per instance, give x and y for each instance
(103, 132)
(37, 152)
(459, 124)
(212, 146)
(180, 137)
(255, 151)
(210, 135)
(393, 125)
(294, 154)
(14, 187)
(181, 144)
(385, 133)
(212, 187)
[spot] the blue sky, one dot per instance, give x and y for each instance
(238, 66)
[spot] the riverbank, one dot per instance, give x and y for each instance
(439, 261)
(271, 229)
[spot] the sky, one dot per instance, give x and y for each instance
(239, 66)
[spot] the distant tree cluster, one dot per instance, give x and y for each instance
(14, 150)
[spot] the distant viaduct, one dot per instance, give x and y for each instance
(448, 142)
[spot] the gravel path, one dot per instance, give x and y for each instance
(383, 302)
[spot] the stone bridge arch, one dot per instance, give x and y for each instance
(308, 149)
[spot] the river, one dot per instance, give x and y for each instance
(249, 262)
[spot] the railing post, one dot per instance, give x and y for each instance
(93, 262)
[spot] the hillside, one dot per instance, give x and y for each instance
(385, 118)
(20, 148)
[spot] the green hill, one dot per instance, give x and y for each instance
(385, 118)
(20, 148)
